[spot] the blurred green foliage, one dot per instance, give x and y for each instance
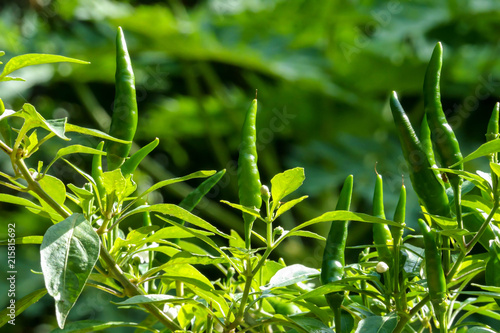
(323, 70)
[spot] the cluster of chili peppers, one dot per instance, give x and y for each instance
(436, 137)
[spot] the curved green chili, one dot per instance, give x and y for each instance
(332, 267)
(124, 119)
(444, 139)
(430, 191)
(436, 280)
(248, 172)
(382, 236)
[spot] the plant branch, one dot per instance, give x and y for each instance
(473, 241)
(129, 288)
(5, 148)
(402, 323)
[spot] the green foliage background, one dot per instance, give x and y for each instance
(323, 70)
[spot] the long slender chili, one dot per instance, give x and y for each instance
(382, 236)
(397, 237)
(248, 172)
(443, 137)
(125, 115)
(332, 267)
(436, 280)
(430, 191)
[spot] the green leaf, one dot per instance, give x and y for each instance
(311, 325)
(193, 198)
(477, 180)
(484, 150)
(495, 167)
(55, 188)
(477, 329)
(133, 162)
(18, 201)
(196, 259)
(117, 186)
(197, 174)
(248, 210)
(74, 149)
(289, 205)
(34, 119)
(92, 132)
(146, 299)
(343, 215)
(178, 212)
(32, 142)
(291, 275)
(31, 59)
(21, 305)
(97, 325)
(376, 324)
(68, 254)
(187, 274)
(107, 281)
(172, 233)
(24, 240)
(285, 183)
(304, 233)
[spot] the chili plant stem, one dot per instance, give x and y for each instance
(248, 283)
(402, 323)
(5, 148)
(473, 241)
(129, 288)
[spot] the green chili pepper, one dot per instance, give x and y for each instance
(492, 131)
(130, 165)
(97, 175)
(124, 119)
(332, 267)
(430, 191)
(397, 236)
(492, 273)
(399, 217)
(444, 139)
(425, 139)
(382, 236)
(248, 172)
(436, 280)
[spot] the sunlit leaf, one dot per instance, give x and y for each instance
(31, 59)
(20, 305)
(291, 275)
(68, 254)
(84, 326)
(285, 183)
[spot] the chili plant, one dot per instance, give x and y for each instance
(159, 266)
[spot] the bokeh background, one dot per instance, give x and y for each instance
(323, 70)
